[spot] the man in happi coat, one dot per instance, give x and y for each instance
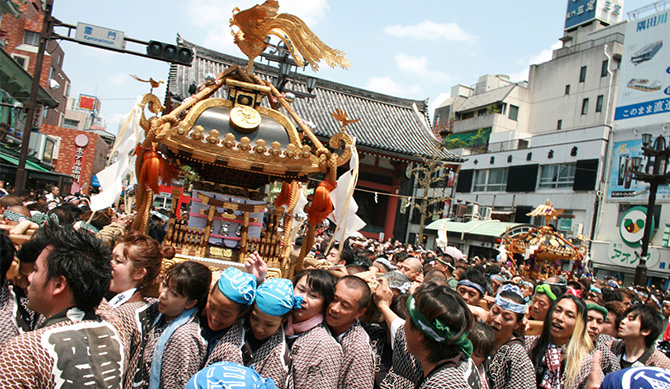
(352, 296)
(73, 347)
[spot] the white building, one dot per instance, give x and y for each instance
(546, 138)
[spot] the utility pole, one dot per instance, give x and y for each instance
(426, 174)
(21, 176)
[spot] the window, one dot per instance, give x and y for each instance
(70, 123)
(599, 103)
(585, 106)
(481, 112)
(567, 89)
(513, 112)
(557, 176)
(66, 90)
(493, 180)
(603, 70)
(31, 38)
(582, 74)
(559, 124)
(21, 60)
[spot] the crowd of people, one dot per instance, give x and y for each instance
(86, 301)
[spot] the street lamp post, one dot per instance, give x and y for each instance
(655, 173)
(287, 70)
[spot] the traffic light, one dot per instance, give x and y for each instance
(170, 53)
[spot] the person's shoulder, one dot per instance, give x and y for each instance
(356, 338)
(658, 359)
(325, 340)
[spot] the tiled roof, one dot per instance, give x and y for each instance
(484, 99)
(389, 125)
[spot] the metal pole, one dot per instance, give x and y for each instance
(641, 269)
(20, 182)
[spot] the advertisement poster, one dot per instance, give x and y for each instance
(644, 86)
(622, 185)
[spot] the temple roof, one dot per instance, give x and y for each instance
(391, 126)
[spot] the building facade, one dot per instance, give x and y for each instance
(80, 154)
(546, 138)
(21, 41)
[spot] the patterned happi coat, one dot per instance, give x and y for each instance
(135, 320)
(406, 370)
(271, 360)
(608, 361)
(584, 369)
(15, 317)
(184, 354)
(229, 347)
(463, 375)
(510, 367)
(656, 359)
(66, 353)
(316, 359)
(358, 363)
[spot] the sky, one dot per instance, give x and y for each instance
(414, 49)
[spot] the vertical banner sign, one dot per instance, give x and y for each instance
(80, 141)
(644, 88)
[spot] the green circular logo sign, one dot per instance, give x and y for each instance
(632, 225)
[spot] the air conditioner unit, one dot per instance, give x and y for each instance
(461, 210)
(485, 213)
(472, 210)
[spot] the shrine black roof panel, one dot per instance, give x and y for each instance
(389, 125)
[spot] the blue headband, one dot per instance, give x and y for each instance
(238, 286)
(498, 277)
(472, 285)
(227, 375)
(275, 297)
(510, 305)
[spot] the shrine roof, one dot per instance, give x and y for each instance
(392, 126)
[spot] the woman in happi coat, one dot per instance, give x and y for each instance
(561, 355)
(265, 348)
(437, 335)
(175, 350)
(136, 264)
(316, 357)
(510, 366)
(228, 303)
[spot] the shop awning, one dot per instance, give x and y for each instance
(474, 227)
(16, 81)
(15, 162)
(9, 7)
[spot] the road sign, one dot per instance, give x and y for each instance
(100, 36)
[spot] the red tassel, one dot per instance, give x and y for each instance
(283, 197)
(322, 205)
(150, 169)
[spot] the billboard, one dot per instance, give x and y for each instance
(622, 185)
(644, 86)
(584, 11)
(89, 103)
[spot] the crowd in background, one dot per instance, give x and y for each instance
(85, 301)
